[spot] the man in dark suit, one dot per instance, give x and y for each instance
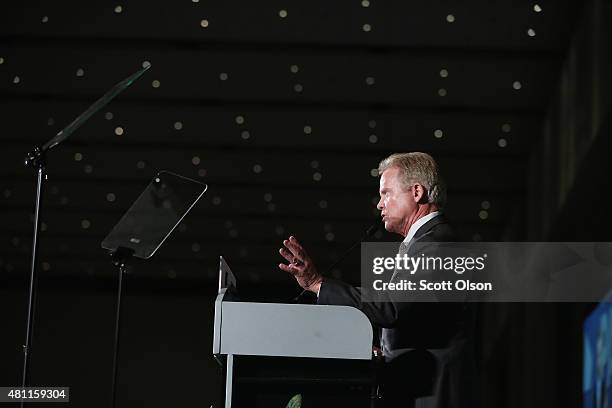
(426, 346)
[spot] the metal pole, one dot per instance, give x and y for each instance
(27, 347)
(122, 270)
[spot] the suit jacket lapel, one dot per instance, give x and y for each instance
(425, 229)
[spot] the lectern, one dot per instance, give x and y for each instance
(299, 347)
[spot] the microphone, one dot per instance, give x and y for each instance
(368, 233)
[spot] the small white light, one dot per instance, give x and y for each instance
(45, 19)
(374, 173)
(537, 8)
(450, 18)
(506, 128)
(314, 164)
(502, 142)
(298, 88)
(531, 32)
(195, 160)
(108, 115)
(78, 157)
(85, 224)
(178, 125)
(239, 119)
(88, 168)
(329, 236)
(373, 139)
(118, 9)
(202, 172)
(323, 203)
(1, 60)
(485, 205)
(257, 169)
(367, 28)
(372, 124)
(370, 80)
(223, 76)
(517, 85)
(245, 134)
(307, 129)
(80, 72)
(294, 69)
(16, 80)
(444, 73)
(317, 176)
(267, 197)
(119, 131)
(146, 64)
(365, 3)
(438, 133)
(282, 13)
(204, 23)
(483, 214)
(442, 92)
(110, 197)
(195, 1)
(155, 84)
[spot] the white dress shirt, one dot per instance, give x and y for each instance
(418, 224)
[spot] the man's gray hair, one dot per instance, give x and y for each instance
(421, 168)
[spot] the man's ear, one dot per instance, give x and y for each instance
(419, 194)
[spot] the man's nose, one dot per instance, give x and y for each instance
(380, 204)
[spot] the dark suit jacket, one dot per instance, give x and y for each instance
(427, 345)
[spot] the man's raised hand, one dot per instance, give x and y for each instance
(300, 265)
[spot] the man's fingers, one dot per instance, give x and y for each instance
(296, 249)
(287, 255)
(292, 269)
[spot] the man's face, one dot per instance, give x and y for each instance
(396, 204)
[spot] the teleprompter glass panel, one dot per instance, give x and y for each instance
(155, 214)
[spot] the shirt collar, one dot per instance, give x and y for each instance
(418, 224)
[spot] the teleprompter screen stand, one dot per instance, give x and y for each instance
(37, 160)
(144, 228)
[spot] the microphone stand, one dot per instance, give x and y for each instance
(37, 160)
(368, 233)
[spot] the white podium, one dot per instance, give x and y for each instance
(284, 330)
